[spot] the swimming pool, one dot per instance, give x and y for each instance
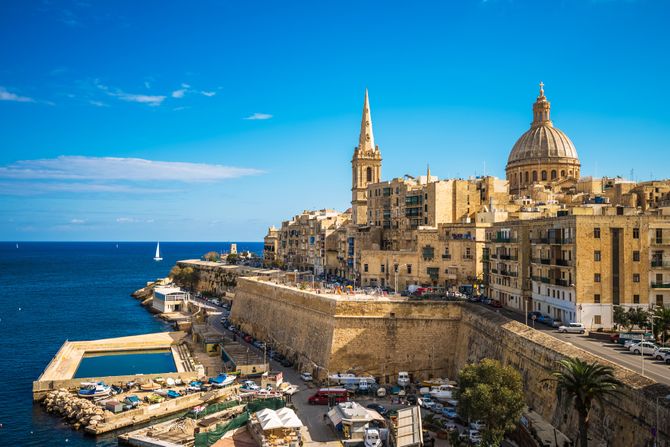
(125, 363)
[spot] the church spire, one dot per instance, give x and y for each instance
(366, 141)
(541, 109)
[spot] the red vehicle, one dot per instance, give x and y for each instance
(496, 304)
(324, 396)
(248, 339)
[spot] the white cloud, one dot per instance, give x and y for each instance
(208, 94)
(98, 103)
(102, 169)
(126, 220)
(6, 95)
(151, 100)
(179, 93)
(32, 188)
(77, 221)
(259, 116)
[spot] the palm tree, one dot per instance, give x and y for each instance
(584, 383)
(662, 323)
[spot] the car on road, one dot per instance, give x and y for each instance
(645, 347)
(496, 304)
(660, 353)
(666, 359)
(248, 338)
(449, 412)
(573, 328)
(545, 319)
(378, 408)
(307, 377)
(286, 363)
(557, 324)
(535, 313)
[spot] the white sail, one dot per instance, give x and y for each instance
(158, 252)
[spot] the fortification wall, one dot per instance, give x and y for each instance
(437, 339)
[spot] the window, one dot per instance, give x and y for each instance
(636, 256)
(597, 319)
(596, 298)
(659, 300)
(596, 232)
(526, 175)
(544, 175)
(395, 268)
(636, 277)
(636, 233)
(428, 252)
(409, 269)
(534, 176)
(596, 277)
(382, 268)
(365, 268)
(596, 255)
(636, 299)
(553, 174)
(368, 174)
(659, 235)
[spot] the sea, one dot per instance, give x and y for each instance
(51, 292)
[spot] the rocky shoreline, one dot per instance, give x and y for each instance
(76, 411)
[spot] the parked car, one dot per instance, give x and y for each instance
(573, 328)
(557, 323)
(248, 338)
(534, 313)
(378, 408)
(307, 377)
(426, 402)
(437, 408)
(666, 358)
(449, 425)
(449, 412)
(545, 319)
(645, 347)
(497, 304)
(629, 342)
(660, 353)
(477, 425)
(411, 399)
(474, 437)
(286, 363)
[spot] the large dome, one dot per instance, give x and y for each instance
(541, 143)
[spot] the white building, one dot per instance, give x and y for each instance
(169, 299)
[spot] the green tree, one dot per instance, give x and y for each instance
(176, 274)
(211, 256)
(638, 317)
(662, 321)
(620, 316)
(584, 384)
(492, 393)
(232, 258)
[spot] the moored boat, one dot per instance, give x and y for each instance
(442, 392)
(94, 389)
(372, 438)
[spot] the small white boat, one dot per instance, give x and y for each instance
(372, 438)
(403, 378)
(158, 252)
(222, 380)
(94, 389)
(442, 392)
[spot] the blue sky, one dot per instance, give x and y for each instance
(126, 120)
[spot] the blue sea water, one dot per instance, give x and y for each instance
(54, 291)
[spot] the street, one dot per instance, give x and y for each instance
(653, 369)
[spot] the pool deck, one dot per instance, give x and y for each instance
(62, 368)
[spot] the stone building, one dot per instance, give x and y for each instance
(271, 248)
(543, 155)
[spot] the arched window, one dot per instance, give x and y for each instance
(553, 174)
(534, 176)
(544, 176)
(562, 172)
(369, 174)
(570, 172)
(526, 176)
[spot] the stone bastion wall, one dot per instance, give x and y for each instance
(436, 339)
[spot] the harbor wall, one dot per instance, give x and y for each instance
(437, 339)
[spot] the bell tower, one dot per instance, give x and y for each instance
(366, 167)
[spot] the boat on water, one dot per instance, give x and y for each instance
(94, 389)
(222, 380)
(158, 257)
(372, 438)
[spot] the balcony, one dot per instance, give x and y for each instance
(542, 279)
(446, 256)
(503, 239)
(494, 256)
(564, 262)
(561, 282)
(542, 240)
(660, 241)
(508, 258)
(508, 273)
(659, 263)
(545, 261)
(660, 285)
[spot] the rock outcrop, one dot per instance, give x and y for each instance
(76, 411)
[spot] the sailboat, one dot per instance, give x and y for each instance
(158, 252)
